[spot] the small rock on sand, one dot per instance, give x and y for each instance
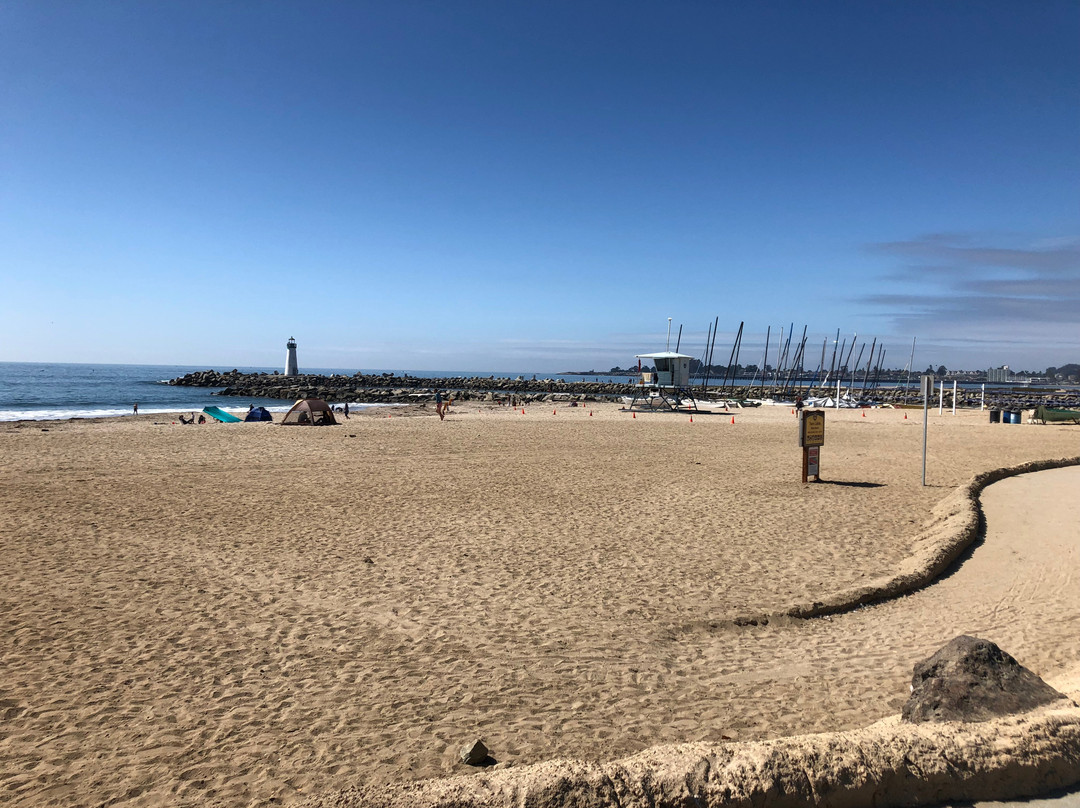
(474, 753)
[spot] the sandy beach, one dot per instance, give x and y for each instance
(250, 614)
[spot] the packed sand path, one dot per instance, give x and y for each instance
(247, 614)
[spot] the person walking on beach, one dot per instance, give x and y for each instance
(346, 409)
(439, 404)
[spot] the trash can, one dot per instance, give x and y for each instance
(995, 416)
(1012, 417)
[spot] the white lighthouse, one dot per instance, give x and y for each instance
(290, 358)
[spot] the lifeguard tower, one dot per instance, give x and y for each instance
(668, 387)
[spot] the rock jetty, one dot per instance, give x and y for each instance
(404, 389)
(391, 388)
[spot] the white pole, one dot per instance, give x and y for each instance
(941, 397)
(982, 398)
(668, 333)
(927, 387)
(954, 397)
(837, 395)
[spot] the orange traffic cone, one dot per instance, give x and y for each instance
(553, 412)
(590, 413)
(864, 413)
(733, 419)
(635, 415)
(905, 416)
(691, 419)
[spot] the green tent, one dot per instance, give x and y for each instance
(1047, 415)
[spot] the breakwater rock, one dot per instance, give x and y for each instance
(387, 387)
(392, 388)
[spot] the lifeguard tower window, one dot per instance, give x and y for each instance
(663, 372)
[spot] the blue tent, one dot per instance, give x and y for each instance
(259, 414)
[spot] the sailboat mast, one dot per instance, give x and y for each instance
(855, 367)
(877, 371)
(869, 362)
(779, 357)
(851, 350)
(765, 361)
(738, 349)
(731, 358)
(712, 347)
(705, 357)
(796, 360)
(832, 362)
(820, 367)
(840, 367)
(910, 365)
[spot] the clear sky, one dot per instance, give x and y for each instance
(516, 186)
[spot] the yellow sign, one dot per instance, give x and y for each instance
(812, 428)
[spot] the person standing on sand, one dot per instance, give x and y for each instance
(135, 409)
(346, 409)
(439, 404)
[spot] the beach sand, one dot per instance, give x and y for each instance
(250, 614)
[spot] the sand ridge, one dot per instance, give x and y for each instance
(248, 613)
(887, 764)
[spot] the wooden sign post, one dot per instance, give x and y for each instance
(811, 439)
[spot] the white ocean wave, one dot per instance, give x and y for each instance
(66, 413)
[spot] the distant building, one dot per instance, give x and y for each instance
(1000, 374)
(290, 358)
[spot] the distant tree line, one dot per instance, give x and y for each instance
(1065, 371)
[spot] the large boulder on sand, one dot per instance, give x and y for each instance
(973, 680)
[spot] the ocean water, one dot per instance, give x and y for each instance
(39, 392)
(49, 391)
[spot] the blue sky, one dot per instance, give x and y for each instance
(536, 186)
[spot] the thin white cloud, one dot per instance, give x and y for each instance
(964, 287)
